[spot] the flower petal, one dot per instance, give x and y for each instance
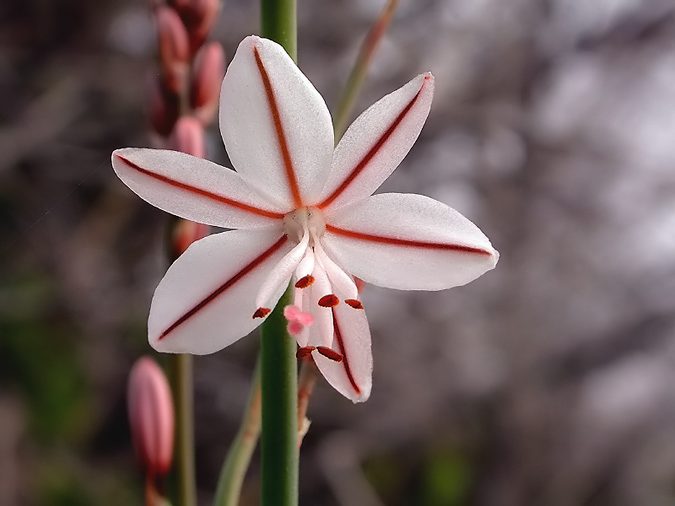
(409, 242)
(193, 188)
(374, 145)
(321, 333)
(206, 300)
(279, 277)
(275, 125)
(353, 375)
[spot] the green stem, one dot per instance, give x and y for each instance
(360, 69)
(278, 22)
(279, 388)
(240, 453)
(279, 373)
(181, 379)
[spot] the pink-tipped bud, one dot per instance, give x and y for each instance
(209, 70)
(198, 16)
(181, 5)
(151, 416)
(188, 137)
(163, 108)
(184, 233)
(174, 47)
(207, 10)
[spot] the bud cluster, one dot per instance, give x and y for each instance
(184, 98)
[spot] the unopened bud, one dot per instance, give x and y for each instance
(188, 137)
(151, 416)
(184, 233)
(209, 70)
(198, 16)
(174, 47)
(181, 5)
(163, 108)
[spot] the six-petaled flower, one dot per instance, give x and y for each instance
(303, 212)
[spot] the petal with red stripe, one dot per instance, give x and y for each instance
(408, 242)
(352, 376)
(206, 300)
(376, 143)
(193, 188)
(276, 127)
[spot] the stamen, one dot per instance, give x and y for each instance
(338, 278)
(305, 281)
(329, 353)
(261, 312)
(355, 303)
(306, 265)
(305, 352)
(330, 300)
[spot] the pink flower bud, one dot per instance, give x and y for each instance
(186, 232)
(163, 108)
(151, 416)
(188, 137)
(209, 70)
(174, 47)
(198, 16)
(181, 5)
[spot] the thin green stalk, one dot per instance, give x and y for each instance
(181, 386)
(360, 69)
(279, 389)
(278, 21)
(279, 373)
(242, 448)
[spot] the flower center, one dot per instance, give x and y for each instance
(305, 219)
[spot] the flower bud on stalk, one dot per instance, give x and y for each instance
(174, 48)
(188, 137)
(198, 16)
(184, 233)
(209, 69)
(151, 417)
(163, 107)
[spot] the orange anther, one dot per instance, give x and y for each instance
(329, 300)
(329, 353)
(355, 303)
(304, 281)
(261, 312)
(305, 352)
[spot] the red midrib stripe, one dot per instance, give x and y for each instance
(373, 151)
(343, 352)
(227, 284)
(281, 135)
(203, 193)
(406, 242)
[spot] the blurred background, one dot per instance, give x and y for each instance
(549, 381)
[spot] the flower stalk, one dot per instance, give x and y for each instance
(360, 69)
(183, 103)
(180, 366)
(279, 388)
(279, 380)
(278, 22)
(241, 450)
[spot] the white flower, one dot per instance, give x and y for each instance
(303, 212)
